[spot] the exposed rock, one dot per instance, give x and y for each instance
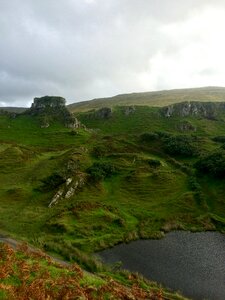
(69, 188)
(50, 108)
(68, 181)
(70, 192)
(207, 110)
(72, 122)
(128, 110)
(11, 115)
(45, 125)
(186, 126)
(48, 101)
(56, 197)
(104, 113)
(72, 166)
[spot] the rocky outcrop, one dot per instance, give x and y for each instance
(128, 110)
(48, 101)
(11, 115)
(69, 188)
(104, 113)
(186, 126)
(52, 108)
(207, 110)
(73, 177)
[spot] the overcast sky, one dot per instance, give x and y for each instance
(84, 49)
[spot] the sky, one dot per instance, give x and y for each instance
(85, 49)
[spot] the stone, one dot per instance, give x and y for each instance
(186, 126)
(69, 188)
(53, 108)
(104, 113)
(56, 198)
(68, 181)
(207, 110)
(127, 110)
(48, 101)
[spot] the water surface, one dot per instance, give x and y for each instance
(193, 263)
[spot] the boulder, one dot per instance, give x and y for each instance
(52, 108)
(127, 110)
(209, 110)
(104, 113)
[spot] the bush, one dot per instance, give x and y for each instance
(149, 136)
(219, 139)
(163, 134)
(101, 170)
(154, 163)
(193, 184)
(180, 145)
(212, 164)
(99, 151)
(53, 181)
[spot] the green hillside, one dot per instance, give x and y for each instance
(128, 174)
(158, 98)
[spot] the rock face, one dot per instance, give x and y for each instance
(104, 113)
(74, 178)
(48, 101)
(207, 110)
(68, 189)
(127, 110)
(186, 126)
(52, 108)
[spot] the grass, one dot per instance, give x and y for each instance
(153, 99)
(25, 274)
(137, 201)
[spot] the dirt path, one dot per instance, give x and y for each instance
(15, 244)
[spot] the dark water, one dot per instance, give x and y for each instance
(193, 263)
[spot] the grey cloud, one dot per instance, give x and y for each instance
(83, 49)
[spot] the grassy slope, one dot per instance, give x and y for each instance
(137, 201)
(158, 98)
(25, 274)
(13, 109)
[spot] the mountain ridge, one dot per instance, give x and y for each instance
(153, 98)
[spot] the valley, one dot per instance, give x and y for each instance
(75, 184)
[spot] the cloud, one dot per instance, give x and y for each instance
(83, 49)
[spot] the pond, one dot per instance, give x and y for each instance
(193, 263)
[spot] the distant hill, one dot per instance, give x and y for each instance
(13, 109)
(159, 98)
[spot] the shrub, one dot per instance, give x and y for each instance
(212, 164)
(73, 132)
(149, 136)
(219, 139)
(53, 181)
(180, 145)
(99, 151)
(101, 170)
(154, 163)
(193, 184)
(163, 134)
